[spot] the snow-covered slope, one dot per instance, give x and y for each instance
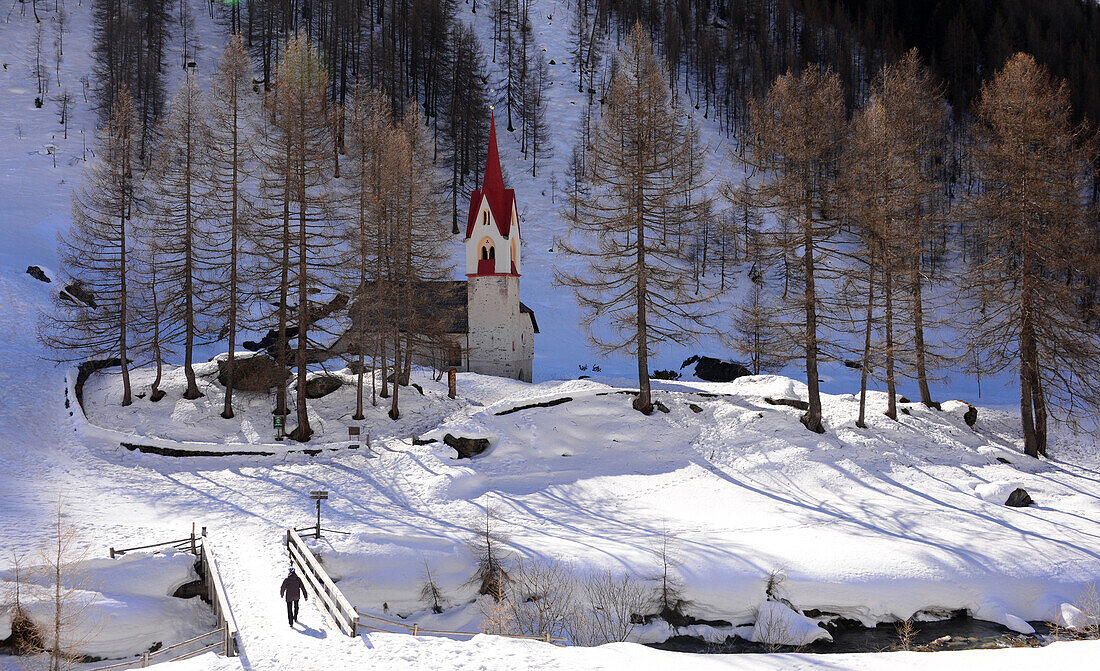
(872, 524)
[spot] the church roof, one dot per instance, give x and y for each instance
(501, 200)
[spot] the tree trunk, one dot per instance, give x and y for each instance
(123, 325)
(866, 367)
(812, 418)
(891, 382)
(304, 431)
(230, 364)
(395, 412)
(359, 388)
(918, 338)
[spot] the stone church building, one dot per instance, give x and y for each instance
(486, 329)
(499, 338)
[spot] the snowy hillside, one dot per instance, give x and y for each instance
(904, 520)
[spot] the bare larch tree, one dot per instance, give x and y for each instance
(797, 132)
(639, 180)
(1031, 164)
(95, 319)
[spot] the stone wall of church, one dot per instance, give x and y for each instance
(499, 344)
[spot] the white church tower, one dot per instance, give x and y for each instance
(501, 333)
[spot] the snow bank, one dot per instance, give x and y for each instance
(776, 624)
(118, 607)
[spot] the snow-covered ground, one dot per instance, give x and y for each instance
(117, 607)
(874, 524)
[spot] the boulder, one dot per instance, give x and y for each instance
(971, 416)
(38, 274)
(792, 402)
(695, 408)
(710, 369)
(466, 447)
(254, 373)
(322, 385)
(1018, 499)
(76, 293)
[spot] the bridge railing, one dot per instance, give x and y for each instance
(321, 585)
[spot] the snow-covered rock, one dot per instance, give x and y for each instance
(777, 624)
(1072, 617)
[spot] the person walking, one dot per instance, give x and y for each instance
(292, 589)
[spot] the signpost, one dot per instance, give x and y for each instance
(318, 495)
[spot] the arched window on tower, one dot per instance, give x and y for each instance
(488, 253)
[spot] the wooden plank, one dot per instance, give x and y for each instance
(215, 632)
(196, 653)
(220, 600)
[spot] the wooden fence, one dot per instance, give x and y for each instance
(223, 639)
(416, 630)
(322, 586)
(347, 616)
(218, 600)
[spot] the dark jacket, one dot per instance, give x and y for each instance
(292, 588)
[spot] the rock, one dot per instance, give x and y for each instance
(254, 373)
(322, 385)
(715, 370)
(1018, 499)
(971, 416)
(1003, 460)
(466, 447)
(85, 370)
(661, 406)
(76, 293)
(792, 402)
(902, 399)
(694, 408)
(38, 274)
(190, 590)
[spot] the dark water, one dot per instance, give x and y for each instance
(961, 632)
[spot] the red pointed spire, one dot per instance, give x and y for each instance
(493, 181)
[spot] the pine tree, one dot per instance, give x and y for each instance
(419, 246)
(298, 170)
(370, 126)
(639, 175)
(97, 251)
(797, 134)
(1031, 162)
(233, 113)
(537, 126)
(914, 122)
(178, 210)
(756, 333)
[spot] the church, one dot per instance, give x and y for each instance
(499, 334)
(486, 329)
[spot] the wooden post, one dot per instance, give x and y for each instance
(112, 553)
(318, 518)
(144, 659)
(452, 380)
(416, 628)
(204, 532)
(194, 550)
(227, 639)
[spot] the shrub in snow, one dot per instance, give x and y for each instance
(613, 607)
(777, 625)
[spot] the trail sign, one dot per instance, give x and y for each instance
(318, 495)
